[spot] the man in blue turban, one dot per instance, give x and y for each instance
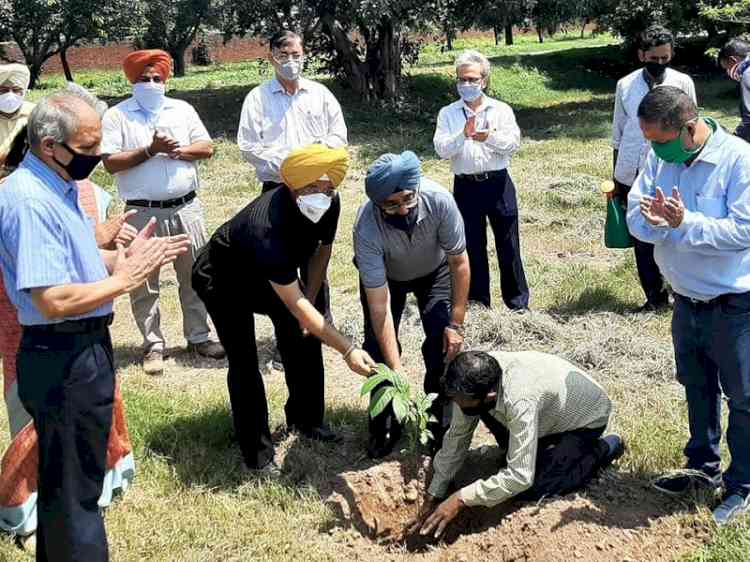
(409, 238)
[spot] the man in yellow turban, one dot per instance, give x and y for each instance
(250, 266)
(14, 110)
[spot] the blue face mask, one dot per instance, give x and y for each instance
(149, 95)
(469, 92)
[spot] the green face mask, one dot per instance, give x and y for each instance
(673, 151)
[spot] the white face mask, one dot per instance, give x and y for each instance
(314, 206)
(149, 95)
(10, 102)
(291, 70)
(469, 92)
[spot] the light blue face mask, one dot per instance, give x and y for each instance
(469, 92)
(149, 95)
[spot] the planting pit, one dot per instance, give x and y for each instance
(617, 518)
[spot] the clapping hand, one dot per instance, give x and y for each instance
(674, 209)
(163, 143)
(652, 208)
(175, 246)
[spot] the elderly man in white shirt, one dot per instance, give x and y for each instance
(479, 135)
(285, 113)
(151, 143)
(656, 49)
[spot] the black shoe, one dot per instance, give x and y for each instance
(380, 446)
(320, 433)
(614, 448)
(686, 480)
(652, 306)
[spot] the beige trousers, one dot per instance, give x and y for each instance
(144, 302)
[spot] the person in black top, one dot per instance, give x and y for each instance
(250, 266)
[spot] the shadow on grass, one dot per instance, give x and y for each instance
(592, 299)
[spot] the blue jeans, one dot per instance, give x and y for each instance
(712, 352)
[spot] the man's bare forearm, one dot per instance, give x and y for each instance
(76, 298)
(123, 161)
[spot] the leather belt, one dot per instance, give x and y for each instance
(83, 326)
(166, 204)
(483, 176)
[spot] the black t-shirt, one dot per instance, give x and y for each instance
(270, 239)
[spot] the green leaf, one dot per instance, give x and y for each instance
(400, 408)
(372, 382)
(381, 399)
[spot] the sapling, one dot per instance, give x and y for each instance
(410, 408)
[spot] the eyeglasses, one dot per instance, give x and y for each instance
(155, 79)
(408, 202)
(313, 189)
(282, 58)
(15, 89)
(472, 81)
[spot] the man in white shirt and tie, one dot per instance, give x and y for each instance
(655, 50)
(284, 113)
(151, 143)
(479, 135)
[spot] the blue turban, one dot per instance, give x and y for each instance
(391, 173)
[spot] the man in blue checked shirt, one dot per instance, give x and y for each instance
(692, 201)
(63, 287)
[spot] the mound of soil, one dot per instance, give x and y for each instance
(617, 518)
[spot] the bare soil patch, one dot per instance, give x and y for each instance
(617, 518)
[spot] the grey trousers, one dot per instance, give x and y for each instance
(144, 302)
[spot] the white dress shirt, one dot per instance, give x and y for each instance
(127, 127)
(273, 123)
(468, 156)
(627, 137)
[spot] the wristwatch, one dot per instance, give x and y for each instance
(458, 328)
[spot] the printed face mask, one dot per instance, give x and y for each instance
(10, 102)
(673, 151)
(80, 166)
(314, 206)
(291, 70)
(149, 95)
(469, 92)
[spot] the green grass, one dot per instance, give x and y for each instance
(192, 500)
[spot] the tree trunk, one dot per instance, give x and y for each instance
(508, 33)
(583, 27)
(540, 34)
(35, 69)
(65, 65)
(496, 31)
(178, 56)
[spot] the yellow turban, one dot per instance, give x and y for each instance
(306, 165)
(15, 74)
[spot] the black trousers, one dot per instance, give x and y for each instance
(325, 289)
(67, 384)
(651, 279)
(433, 293)
(232, 308)
(493, 198)
(564, 462)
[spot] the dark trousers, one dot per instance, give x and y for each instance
(433, 293)
(712, 352)
(67, 384)
(493, 198)
(651, 279)
(231, 308)
(565, 462)
(325, 289)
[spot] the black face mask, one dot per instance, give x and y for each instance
(482, 408)
(80, 166)
(403, 222)
(656, 70)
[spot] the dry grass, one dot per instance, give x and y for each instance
(192, 500)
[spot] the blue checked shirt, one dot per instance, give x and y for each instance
(709, 253)
(46, 239)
